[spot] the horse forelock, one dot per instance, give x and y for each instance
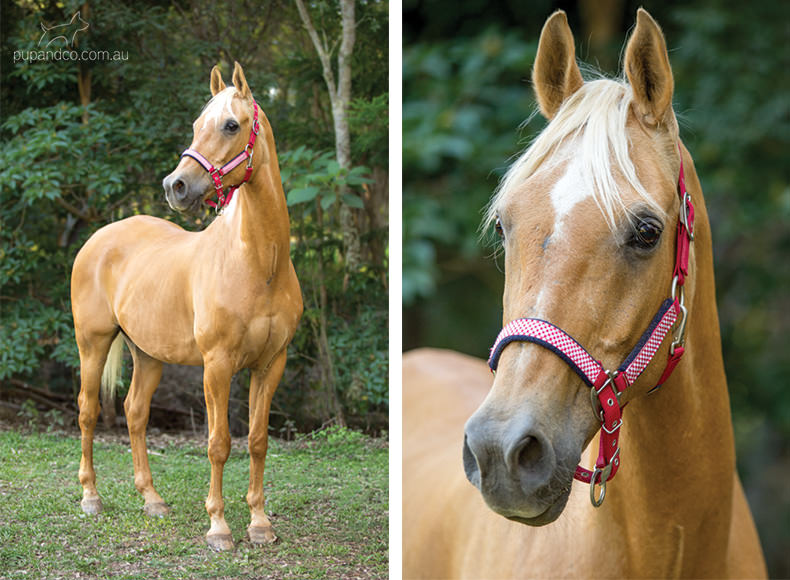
(219, 106)
(590, 129)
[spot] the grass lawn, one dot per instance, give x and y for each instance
(326, 496)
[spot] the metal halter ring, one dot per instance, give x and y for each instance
(604, 472)
(249, 154)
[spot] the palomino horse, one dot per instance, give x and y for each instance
(226, 298)
(592, 218)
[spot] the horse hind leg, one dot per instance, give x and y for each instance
(145, 379)
(263, 383)
(93, 351)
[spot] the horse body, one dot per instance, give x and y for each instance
(588, 255)
(197, 287)
(226, 298)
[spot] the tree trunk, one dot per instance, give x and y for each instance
(332, 406)
(340, 97)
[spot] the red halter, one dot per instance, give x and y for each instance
(218, 174)
(607, 386)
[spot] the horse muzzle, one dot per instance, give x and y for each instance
(185, 193)
(516, 467)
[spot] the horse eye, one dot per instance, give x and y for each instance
(646, 234)
(231, 126)
(498, 227)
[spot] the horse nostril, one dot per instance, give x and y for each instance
(179, 188)
(531, 458)
(530, 453)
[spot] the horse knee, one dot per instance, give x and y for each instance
(218, 448)
(136, 416)
(89, 414)
(258, 444)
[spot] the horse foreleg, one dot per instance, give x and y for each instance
(145, 378)
(216, 388)
(263, 383)
(93, 354)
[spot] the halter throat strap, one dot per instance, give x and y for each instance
(606, 387)
(223, 198)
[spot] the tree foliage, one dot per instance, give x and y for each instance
(88, 142)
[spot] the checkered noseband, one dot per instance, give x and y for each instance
(606, 386)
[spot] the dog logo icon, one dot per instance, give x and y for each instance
(65, 32)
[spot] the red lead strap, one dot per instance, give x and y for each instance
(606, 387)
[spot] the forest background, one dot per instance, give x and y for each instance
(466, 93)
(88, 142)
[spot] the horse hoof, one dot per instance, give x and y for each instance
(261, 535)
(220, 542)
(158, 509)
(91, 506)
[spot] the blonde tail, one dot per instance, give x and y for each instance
(109, 378)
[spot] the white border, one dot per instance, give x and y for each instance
(395, 285)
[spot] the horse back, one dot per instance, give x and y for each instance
(133, 274)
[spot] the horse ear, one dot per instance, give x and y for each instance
(648, 71)
(555, 75)
(239, 81)
(217, 84)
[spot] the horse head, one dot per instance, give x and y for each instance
(228, 124)
(586, 218)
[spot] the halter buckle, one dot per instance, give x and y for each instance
(215, 174)
(594, 394)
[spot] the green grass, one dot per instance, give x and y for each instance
(326, 497)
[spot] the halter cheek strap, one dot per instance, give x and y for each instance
(606, 387)
(223, 199)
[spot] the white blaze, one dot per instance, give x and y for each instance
(569, 190)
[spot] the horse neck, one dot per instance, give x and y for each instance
(257, 220)
(678, 443)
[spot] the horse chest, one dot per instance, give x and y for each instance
(246, 335)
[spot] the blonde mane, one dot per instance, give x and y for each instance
(591, 127)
